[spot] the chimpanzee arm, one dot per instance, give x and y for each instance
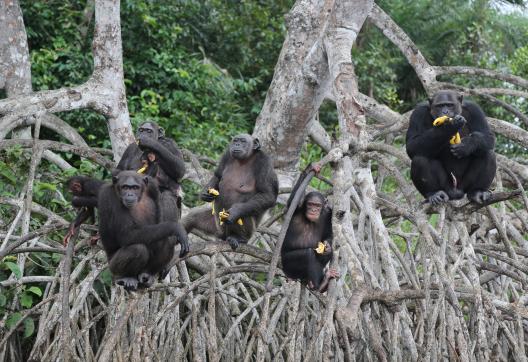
(84, 214)
(80, 201)
(327, 236)
(267, 189)
(147, 234)
(481, 137)
(423, 139)
(215, 180)
(296, 187)
(131, 159)
(170, 158)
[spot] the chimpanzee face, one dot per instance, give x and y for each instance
(445, 103)
(314, 204)
(242, 146)
(149, 130)
(129, 186)
(75, 187)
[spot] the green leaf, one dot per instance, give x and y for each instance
(3, 300)
(13, 319)
(36, 291)
(29, 327)
(26, 300)
(14, 269)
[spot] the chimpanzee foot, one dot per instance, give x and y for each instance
(332, 273)
(146, 280)
(439, 197)
(479, 197)
(234, 242)
(129, 283)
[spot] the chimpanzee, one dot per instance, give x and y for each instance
(243, 187)
(307, 247)
(157, 156)
(85, 191)
(138, 245)
(443, 167)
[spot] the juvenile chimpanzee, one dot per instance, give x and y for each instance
(138, 245)
(85, 191)
(307, 247)
(247, 187)
(157, 156)
(443, 168)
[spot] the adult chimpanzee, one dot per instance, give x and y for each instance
(138, 245)
(157, 156)
(243, 187)
(443, 167)
(307, 247)
(85, 191)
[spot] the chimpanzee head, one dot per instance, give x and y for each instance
(313, 205)
(445, 103)
(75, 185)
(129, 187)
(149, 129)
(243, 146)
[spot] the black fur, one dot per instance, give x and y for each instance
(436, 165)
(85, 191)
(248, 186)
(135, 239)
(299, 258)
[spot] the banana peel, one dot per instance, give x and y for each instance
(456, 139)
(215, 193)
(223, 215)
(320, 248)
(143, 169)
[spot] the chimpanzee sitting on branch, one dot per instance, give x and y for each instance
(243, 187)
(451, 149)
(307, 247)
(84, 190)
(138, 244)
(159, 157)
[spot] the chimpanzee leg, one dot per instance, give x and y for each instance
(201, 219)
(302, 264)
(239, 234)
(315, 271)
(431, 179)
(127, 263)
(161, 254)
(479, 176)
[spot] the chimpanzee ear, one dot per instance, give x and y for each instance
(146, 180)
(161, 132)
(460, 98)
(114, 179)
(256, 144)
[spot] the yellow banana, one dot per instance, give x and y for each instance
(440, 121)
(320, 248)
(223, 215)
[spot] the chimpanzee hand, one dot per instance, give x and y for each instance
(234, 214)
(458, 122)
(206, 196)
(328, 248)
(184, 246)
(146, 143)
(464, 148)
